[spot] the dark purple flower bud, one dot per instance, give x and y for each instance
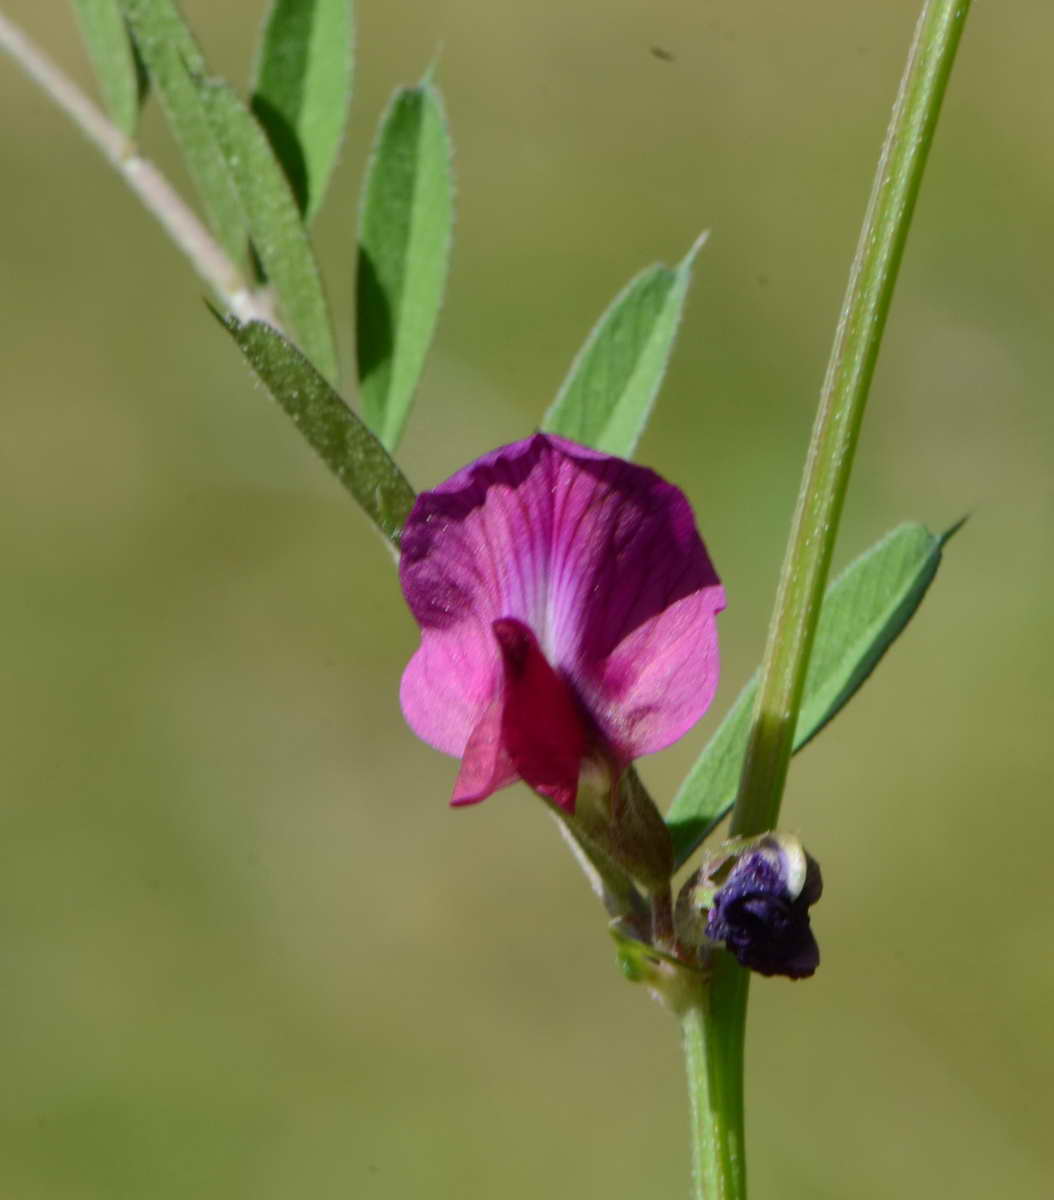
(761, 911)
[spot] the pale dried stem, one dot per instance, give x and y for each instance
(160, 198)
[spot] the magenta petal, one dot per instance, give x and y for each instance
(449, 684)
(485, 766)
(660, 679)
(598, 558)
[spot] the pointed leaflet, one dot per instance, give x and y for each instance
(170, 53)
(864, 610)
(277, 232)
(302, 90)
(110, 50)
(607, 397)
(404, 247)
(346, 446)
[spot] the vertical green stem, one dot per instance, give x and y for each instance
(715, 1027)
(842, 401)
(714, 1061)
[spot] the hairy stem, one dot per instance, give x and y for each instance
(715, 1028)
(146, 181)
(842, 401)
(715, 1087)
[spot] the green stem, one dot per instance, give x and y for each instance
(715, 1086)
(842, 401)
(714, 1030)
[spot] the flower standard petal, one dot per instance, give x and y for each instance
(634, 599)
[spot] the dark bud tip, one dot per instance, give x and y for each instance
(761, 912)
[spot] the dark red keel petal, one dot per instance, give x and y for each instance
(542, 730)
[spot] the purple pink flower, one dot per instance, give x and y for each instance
(568, 617)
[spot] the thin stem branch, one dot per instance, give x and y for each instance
(153, 189)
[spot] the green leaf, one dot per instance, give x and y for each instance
(110, 50)
(277, 231)
(864, 610)
(302, 90)
(607, 397)
(173, 59)
(346, 446)
(405, 231)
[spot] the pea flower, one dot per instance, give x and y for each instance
(567, 608)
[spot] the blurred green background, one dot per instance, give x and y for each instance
(247, 950)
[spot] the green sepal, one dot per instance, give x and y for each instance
(615, 814)
(638, 960)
